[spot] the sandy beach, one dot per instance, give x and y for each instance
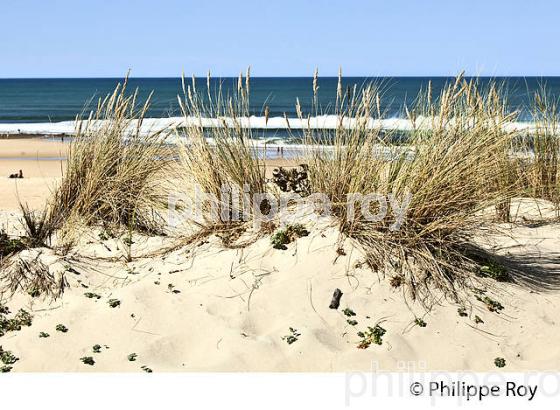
(41, 162)
(203, 307)
(20, 146)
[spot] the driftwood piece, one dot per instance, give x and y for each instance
(335, 302)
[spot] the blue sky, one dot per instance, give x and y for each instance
(78, 38)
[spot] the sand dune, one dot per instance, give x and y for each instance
(203, 307)
(206, 308)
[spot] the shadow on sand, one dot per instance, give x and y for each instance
(534, 270)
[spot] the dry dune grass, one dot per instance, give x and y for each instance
(451, 168)
(530, 167)
(222, 157)
(33, 277)
(114, 171)
(543, 171)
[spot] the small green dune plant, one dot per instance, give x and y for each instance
(283, 237)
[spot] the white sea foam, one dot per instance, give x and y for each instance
(326, 122)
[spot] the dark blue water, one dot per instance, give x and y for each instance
(53, 100)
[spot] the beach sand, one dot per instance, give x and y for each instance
(41, 162)
(32, 147)
(202, 307)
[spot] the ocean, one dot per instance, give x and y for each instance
(55, 100)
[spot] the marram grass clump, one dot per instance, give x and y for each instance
(444, 177)
(223, 155)
(115, 173)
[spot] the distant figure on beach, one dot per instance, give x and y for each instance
(18, 175)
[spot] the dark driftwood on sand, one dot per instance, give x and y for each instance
(335, 302)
